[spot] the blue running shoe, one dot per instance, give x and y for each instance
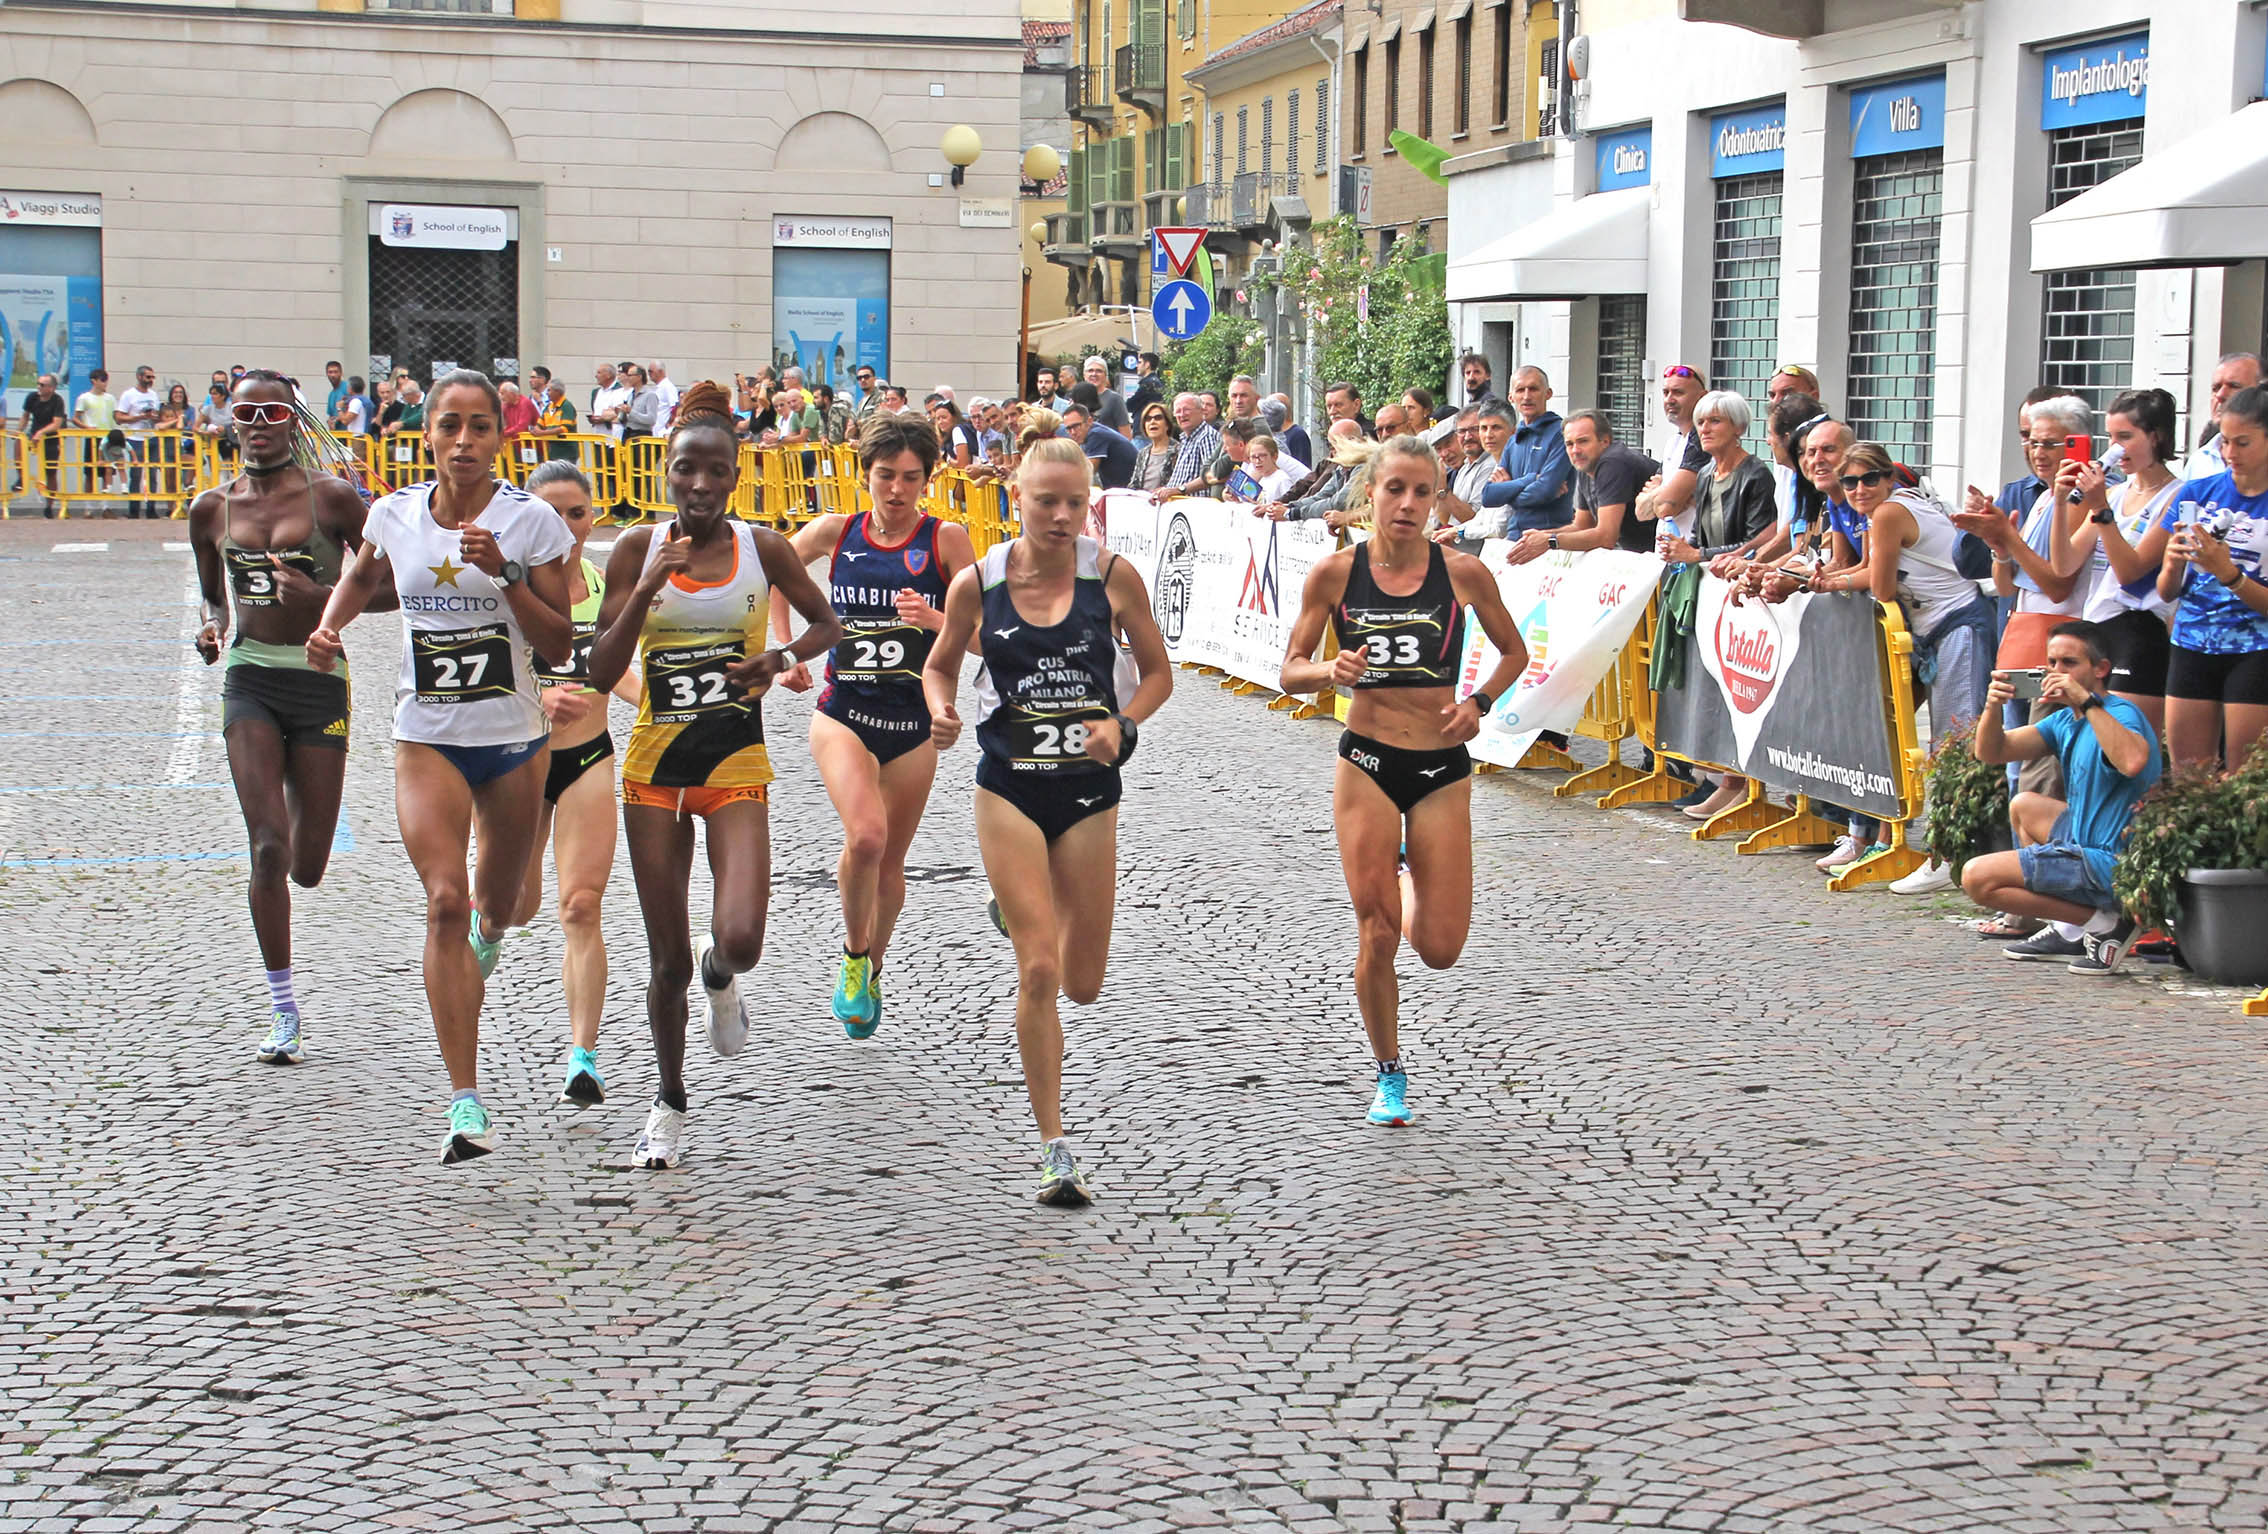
(585, 1087)
(858, 1000)
(285, 1043)
(471, 1133)
(1391, 1104)
(487, 951)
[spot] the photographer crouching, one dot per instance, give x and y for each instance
(2061, 869)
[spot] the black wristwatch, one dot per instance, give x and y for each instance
(512, 574)
(2084, 705)
(1485, 701)
(1129, 736)
(1554, 540)
(2104, 515)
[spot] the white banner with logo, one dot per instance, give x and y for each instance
(1575, 612)
(1224, 584)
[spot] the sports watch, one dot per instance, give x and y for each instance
(1129, 735)
(1485, 701)
(512, 574)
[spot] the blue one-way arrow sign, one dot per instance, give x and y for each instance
(1181, 309)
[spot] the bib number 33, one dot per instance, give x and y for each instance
(459, 665)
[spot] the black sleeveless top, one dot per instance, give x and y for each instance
(1414, 641)
(880, 655)
(1042, 686)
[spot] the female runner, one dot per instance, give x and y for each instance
(1396, 605)
(690, 598)
(577, 817)
(276, 538)
(1056, 720)
(481, 566)
(889, 571)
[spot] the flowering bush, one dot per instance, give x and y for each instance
(1405, 341)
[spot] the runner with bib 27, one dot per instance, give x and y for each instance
(1396, 604)
(1056, 719)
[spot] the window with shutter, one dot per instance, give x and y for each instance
(1153, 159)
(1188, 19)
(1220, 131)
(1267, 136)
(1122, 169)
(1075, 183)
(1243, 139)
(1175, 156)
(1323, 127)
(1360, 140)
(1291, 134)
(1098, 173)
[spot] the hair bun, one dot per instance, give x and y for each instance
(704, 399)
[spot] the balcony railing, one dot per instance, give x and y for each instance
(1115, 223)
(1157, 208)
(1253, 192)
(1141, 73)
(1066, 241)
(1086, 94)
(1208, 206)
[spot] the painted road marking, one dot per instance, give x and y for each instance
(81, 548)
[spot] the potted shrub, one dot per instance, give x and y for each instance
(1968, 802)
(2196, 862)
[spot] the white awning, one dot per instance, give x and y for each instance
(1593, 245)
(2201, 202)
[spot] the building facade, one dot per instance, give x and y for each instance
(460, 182)
(1860, 199)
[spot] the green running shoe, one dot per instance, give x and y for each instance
(471, 1132)
(858, 998)
(585, 1087)
(285, 1044)
(1063, 1183)
(485, 950)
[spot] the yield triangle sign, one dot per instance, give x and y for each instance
(1180, 246)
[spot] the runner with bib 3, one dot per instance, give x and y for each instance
(269, 546)
(887, 576)
(1396, 605)
(690, 598)
(481, 567)
(1057, 712)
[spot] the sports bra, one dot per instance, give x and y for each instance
(251, 580)
(1043, 685)
(583, 618)
(1414, 641)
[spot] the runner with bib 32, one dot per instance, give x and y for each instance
(1396, 604)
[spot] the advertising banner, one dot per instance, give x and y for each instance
(1575, 613)
(1224, 584)
(831, 312)
(1789, 693)
(48, 325)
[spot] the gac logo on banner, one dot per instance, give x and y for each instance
(2095, 82)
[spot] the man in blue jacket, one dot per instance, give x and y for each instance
(1541, 490)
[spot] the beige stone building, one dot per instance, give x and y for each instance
(419, 182)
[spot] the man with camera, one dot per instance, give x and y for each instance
(2066, 853)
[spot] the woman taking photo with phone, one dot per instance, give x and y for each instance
(2125, 526)
(2217, 680)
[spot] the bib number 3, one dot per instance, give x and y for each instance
(460, 665)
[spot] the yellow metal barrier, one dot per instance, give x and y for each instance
(107, 471)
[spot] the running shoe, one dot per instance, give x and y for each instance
(285, 1044)
(2106, 951)
(1062, 1182)
(858, 1003)
(728, 1019)
(2047, 943)
(471, 1132)
(1391, 1103)
(487, 950)
(585, 1087)
(992, 909)
(1865, 852)
(662, 1145)
(1847, 850)
(1925, 880)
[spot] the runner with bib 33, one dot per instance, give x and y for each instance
(1056, 717)
(481, 567)
(1396, 604)
(887, 576)
(690, 598)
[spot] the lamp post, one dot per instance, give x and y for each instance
(1038, 233)
(960, 146)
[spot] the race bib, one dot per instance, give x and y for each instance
(690, 683)
(878, 650)
(460, 665)
(252, 575)
(578, 667)
(1053, 742)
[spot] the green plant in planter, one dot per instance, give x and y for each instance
(2248, 808)
(1968, 801)
(2190, 820)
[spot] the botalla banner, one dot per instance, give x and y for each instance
(1789, 693)
(1575, 612)
(1224, 584)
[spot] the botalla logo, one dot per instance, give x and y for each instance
(1748, 654)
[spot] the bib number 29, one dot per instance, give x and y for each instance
(877, 654)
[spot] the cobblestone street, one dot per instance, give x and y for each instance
(1731, 1204)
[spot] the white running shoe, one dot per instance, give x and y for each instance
(1847, 849)
(663, 1144)
(1925, 880)
(728, 1019)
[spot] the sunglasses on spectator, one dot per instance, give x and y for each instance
(1870, 478)
(261, 412)
(1794, 367)
(1679, 370)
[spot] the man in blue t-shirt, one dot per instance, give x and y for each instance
(1112, 454)
(2061, 870)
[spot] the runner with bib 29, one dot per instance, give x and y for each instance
(1396, 605)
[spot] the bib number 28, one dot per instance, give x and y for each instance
(1059, 740)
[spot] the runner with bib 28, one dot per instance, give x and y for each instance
(887, 576)
(690, 598)
(1056, 717)
(1396, 604)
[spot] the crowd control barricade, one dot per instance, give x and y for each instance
(86, 472)
(644, 487)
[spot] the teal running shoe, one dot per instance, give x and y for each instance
(285, 1044)
(1391, 1103)
(485, 950)
(858, 997)
(992, 909)
(472, 1132)
(1063, 1183)
(585, 1087)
